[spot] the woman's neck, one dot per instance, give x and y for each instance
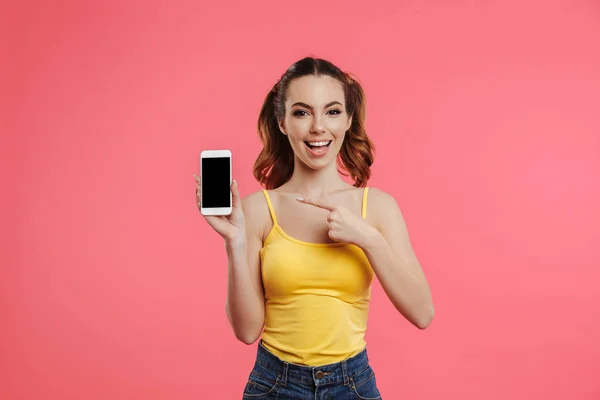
(315, 183)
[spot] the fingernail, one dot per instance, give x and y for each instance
(300, 198)
(234, 182)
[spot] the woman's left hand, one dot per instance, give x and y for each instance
(345, 226)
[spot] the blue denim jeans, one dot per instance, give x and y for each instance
(273, 378)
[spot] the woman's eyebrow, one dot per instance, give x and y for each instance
(301, 104)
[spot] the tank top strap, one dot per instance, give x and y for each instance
(270, 205)
(364, 202)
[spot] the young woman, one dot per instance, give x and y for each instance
(302, 253)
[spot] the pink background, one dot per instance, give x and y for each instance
(486, 120)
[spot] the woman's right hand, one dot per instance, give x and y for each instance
(231, 227)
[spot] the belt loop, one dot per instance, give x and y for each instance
(345, 372)
(284, 374)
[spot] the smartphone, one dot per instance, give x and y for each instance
(215, 176)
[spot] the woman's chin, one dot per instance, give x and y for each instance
(317, 164)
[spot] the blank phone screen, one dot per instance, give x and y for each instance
(215, 182)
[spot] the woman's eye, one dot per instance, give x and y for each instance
(301, 113)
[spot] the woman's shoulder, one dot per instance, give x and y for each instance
(380, 202)
(256, 212)
(254, 202)
(380, 196)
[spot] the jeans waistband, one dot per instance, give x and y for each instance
(323, 374)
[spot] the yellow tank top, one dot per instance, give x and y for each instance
(316, 297)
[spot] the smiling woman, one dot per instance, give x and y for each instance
(303, 252)
(324, 105)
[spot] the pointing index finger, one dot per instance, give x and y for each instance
(317, 203)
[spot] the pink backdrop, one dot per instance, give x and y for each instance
(486, 120)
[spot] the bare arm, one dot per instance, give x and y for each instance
(390, 253)
(245, 296)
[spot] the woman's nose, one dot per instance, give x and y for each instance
(317, 125)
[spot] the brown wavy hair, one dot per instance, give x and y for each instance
(275, 163)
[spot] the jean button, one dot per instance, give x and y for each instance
(320, 374)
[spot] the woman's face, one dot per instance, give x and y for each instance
(315, 119)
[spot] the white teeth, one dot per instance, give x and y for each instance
(318, 143)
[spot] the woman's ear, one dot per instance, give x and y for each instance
(349, 123)
(281, 127)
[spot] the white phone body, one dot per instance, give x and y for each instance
(215, 176)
